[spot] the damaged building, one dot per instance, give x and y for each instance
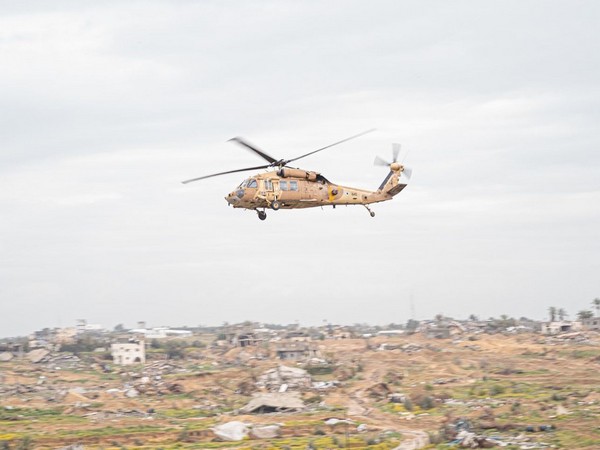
(296, 351)
(290, 377)
(274, 402)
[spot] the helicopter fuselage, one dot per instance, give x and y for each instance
(295, 188)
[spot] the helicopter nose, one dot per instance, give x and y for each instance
(234, 197)
(231, 198)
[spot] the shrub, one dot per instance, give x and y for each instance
(314, 399)
(182, 436)
(496, 390)
(426, 402)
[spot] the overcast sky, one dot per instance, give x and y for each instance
(107, 106)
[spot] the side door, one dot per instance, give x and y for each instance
(276, 189)
(269, 193)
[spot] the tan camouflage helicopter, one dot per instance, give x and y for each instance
(290, 188)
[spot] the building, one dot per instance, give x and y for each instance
(159, 332)
(591, 324)
(65, 335)
(297, 336)
(562, 326)
(130, 352)
(84, 327)
(297, 351)
(391, 333)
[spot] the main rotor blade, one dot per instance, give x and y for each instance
(330, 145)
(395, 151)
(407, 172)
(225, 173)
(256, 150)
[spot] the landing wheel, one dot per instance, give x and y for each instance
(262, 215)
(275, 205)
(370, 212)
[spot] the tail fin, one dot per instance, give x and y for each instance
(391, 184)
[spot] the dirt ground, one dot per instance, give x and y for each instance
(501, 385)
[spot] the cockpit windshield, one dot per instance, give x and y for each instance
(250, 183)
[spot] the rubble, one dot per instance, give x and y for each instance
(6, 356)
(63, 361)
(467, 439)
(396, 397)
(38, 355)
(265, 432)
(411, 348)
(463, 434)
(232, 431)
(274, 402)
(577, 337)
(131, 393)
(333, 422)
(292, 377)
(325, 385)
(379, 391)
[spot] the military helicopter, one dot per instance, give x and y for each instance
(290, 188)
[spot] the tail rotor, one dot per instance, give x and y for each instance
(394, 165)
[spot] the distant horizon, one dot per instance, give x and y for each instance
(282, 324)
(108, 106)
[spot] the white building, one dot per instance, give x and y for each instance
(127, 353)
(160, 332)
(84, 327)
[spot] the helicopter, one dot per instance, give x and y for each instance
(291, 188)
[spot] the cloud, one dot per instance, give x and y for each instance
(106, 108)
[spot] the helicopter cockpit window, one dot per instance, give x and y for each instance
(268, 185)
(252, 184)
(293, 185)
(283, 185)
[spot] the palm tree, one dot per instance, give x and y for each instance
(596, 304)
(562, 314)
(585, 314)
(552, 311)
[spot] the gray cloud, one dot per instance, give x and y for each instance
(107, 107)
